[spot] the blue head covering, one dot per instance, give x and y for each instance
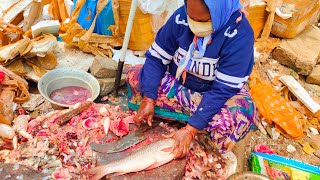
(221, 11)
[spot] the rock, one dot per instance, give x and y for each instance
(72, 57)
(44, 108)
(107, 84)
(34, 101)
(275, 134)
(291, 148)
(314, 77)
(104, 67)
(300, 53)
(313, 131)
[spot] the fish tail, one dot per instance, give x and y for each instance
(98, 172)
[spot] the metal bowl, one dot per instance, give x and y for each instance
(63, 77)
(247, 175)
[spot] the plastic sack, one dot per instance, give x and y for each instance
(152, 6)
(158, 20)
(104, 20)
(274, 108)
(141, 36)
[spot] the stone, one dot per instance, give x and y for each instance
(34, 101)
(314, 77)
(73, 57)
(107, 84)
(104, 67)
(300, 53)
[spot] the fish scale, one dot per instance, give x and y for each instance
(147, 157)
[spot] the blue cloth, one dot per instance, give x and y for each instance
(218, 75)
(221, 11)
(104, 20)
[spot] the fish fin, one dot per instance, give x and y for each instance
(118, 173)
(166, 149)
(158, 163)
(98, 172)
(154, 165)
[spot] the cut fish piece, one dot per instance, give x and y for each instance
(6, 131)
(300, 93)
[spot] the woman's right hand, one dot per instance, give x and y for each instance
(145, 111)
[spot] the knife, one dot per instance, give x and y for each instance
(123, 143)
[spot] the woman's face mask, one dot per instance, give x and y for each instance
(200, 29)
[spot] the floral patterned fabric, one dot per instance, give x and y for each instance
(176, 102)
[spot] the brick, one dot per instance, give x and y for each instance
(107, 84)
(104, 67)
(314, 77)
(300, 53)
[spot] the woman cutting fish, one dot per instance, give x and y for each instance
(196, 71)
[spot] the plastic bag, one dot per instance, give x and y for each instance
(274, 108)
(104, 20)
(152, 6)
(159, 19)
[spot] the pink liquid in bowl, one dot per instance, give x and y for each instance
(70, 95)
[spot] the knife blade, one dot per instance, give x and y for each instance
(123, 143)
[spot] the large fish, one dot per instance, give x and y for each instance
(148, 157)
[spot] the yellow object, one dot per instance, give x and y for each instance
(274, 108)
(304, 12)
(257, 16)
(307, 148)
(142, 35)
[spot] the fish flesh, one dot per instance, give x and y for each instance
(148, 157)
(120, 126)
(21, 125)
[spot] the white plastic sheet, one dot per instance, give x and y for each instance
(130, 58)
(161, 11)
(152, 6)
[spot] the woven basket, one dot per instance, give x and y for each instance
(142, 35)
(257, 17)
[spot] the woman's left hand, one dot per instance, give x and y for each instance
(183, 139)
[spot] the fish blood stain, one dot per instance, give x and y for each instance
(70, 95)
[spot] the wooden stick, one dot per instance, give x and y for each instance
(295, 87)
(64, 118)
(133, 8)
(272, 5)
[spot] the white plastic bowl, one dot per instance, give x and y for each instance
(63, 77)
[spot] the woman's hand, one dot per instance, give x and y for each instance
(145, 111)
(183, 139)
